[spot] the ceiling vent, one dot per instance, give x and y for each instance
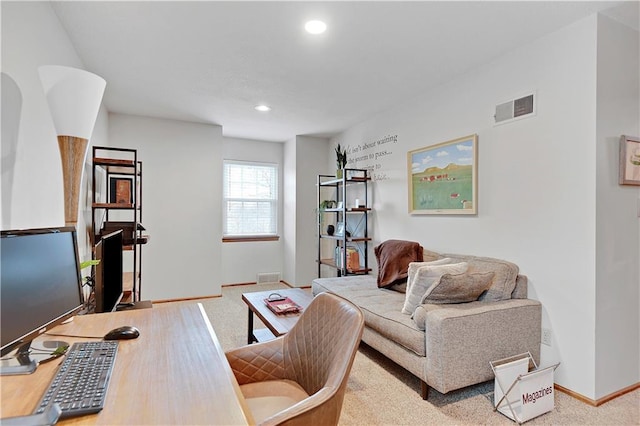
(516, 109)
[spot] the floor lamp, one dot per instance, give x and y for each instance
(74, 98)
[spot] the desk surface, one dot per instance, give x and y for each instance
(174, 373)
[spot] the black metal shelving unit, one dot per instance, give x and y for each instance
(354, 220)
(120, 163)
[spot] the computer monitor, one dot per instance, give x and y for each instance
(40, 284)
(108, 275)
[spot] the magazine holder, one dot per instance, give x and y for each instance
(522, 393)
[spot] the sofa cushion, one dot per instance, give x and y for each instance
(381, 309)
(504, 280)
(424, 278)
(458, 288)
(393, 258)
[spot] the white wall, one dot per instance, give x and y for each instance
(32, 194)
(182, 189)
(242, 261)
(310, 162)
(305, 158)
(617, 250)
(537, 184)
(290, 206)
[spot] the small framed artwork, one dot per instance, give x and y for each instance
(121, 190)
(629, 173)
(443, 178)
(339, 229)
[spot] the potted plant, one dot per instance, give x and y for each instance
(324, 205)
(88, 280)
(327, 204)
(341, 160)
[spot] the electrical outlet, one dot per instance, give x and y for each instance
(546, 336)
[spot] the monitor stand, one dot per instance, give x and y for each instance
(25, 359)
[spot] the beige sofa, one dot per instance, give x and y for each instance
(447, 346)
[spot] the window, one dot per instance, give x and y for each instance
(250, 203)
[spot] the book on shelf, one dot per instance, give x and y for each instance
(283, 306)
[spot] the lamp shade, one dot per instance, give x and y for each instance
(74, 98)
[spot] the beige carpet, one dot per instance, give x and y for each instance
(381, 393)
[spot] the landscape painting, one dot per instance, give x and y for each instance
(443, 177)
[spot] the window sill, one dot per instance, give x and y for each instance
(249, 238)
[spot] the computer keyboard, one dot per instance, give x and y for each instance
(80, 385)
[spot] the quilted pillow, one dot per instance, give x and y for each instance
(424, 278)
(460, 288)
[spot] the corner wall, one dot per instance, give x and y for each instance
(536, 185)
(617, 358)
(305, 158)
(182, 189)
(32, 189)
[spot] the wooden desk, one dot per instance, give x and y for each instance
(174, 373)
(276, 324)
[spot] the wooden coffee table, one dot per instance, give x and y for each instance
(277, 324)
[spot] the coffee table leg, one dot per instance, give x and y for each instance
(250, 337)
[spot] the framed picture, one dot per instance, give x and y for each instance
(121, 190)
(443, 178)
(339, 229)
(629, 160)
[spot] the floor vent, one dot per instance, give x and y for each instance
(515, 109)
(268, 278)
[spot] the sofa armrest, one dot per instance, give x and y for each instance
(462, 339)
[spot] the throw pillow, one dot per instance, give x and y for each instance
(460, 288)
(504, 280)
(414, 266)
(424, 278)
(393, 258)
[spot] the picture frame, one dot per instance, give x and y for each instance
(121, 190)
(339, 205)
(339, 229)
(443, 178)
(629, 170)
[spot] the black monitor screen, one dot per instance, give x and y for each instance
(40, 283)
(108, 277)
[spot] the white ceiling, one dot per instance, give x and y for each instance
(212, 62)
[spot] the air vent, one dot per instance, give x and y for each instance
(516, 109)
(268, 278)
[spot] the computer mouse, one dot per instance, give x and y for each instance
(125, 332)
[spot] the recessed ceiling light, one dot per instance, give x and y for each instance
(263, 108)
(315, 27)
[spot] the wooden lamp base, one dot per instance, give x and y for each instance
(72, 153)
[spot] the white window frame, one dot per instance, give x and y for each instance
(274, 200)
